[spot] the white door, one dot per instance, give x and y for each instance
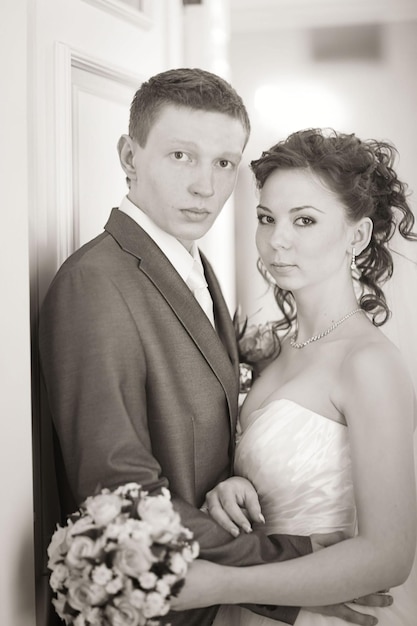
(87, 58)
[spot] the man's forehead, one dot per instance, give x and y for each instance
(194, 126)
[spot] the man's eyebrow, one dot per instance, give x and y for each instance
(176, 142)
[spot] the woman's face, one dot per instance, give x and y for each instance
(303, 235)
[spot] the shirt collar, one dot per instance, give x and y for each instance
(181, 259)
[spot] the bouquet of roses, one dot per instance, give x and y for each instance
(119, 559)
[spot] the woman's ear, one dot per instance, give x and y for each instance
(125, 148)
(362, 234)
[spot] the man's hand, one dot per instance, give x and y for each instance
(349, 615)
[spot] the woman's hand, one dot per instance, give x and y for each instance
(234, 505)
(203, 587)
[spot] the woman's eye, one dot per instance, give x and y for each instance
(265, 219)
(224, 163)
(304, 221)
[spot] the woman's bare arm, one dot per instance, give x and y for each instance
(376, 396)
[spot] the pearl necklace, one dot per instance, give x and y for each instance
(293, 339)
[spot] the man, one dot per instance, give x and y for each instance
(141, 381)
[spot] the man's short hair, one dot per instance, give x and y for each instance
(184, 87)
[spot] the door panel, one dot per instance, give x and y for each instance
(87, 58)
(100, 112)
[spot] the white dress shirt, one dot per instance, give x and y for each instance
(182, 260)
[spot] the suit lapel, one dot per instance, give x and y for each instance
(222, 358)
(224, 323)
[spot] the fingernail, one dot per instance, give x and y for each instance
(247, 528)
(235, 532)
(261, 518)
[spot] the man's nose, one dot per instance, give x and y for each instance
(202, 183)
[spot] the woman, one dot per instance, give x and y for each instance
(327, 428)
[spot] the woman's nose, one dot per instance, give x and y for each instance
(280, 237)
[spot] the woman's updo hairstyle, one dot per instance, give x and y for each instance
(361, 174)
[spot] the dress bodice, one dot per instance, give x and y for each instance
(299, 463)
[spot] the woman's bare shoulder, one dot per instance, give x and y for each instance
(372, 352)
(373, 368)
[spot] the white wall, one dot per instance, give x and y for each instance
(207, 45)
(377, 97)
(16, 519)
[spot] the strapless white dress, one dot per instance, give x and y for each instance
(299, 463)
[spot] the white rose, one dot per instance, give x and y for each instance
(163, 588)
(81, 548)
(170, 579)
(155, 605)
(131, 528)
(137, 598)
(113, 531)
(114, 585)
(103, 508)
(124, 614)
(58, 546)
(58, 576)
(140, 530)
(159, 513)
(82, 594)
(148, 580)
(81, 525)
(178, 565)
(133, 558)
(129, 489)
(101, 574)
(93, 616)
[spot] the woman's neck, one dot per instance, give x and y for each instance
(316, 314)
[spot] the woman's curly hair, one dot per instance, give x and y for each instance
(361, 174)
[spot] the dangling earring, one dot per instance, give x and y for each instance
(353, 265)
(354, 268)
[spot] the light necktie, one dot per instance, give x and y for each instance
(198, 285)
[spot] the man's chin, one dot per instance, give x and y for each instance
(193, 232)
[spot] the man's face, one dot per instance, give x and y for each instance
(187, 170)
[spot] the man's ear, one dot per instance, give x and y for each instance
(125, 148)
(362, 234)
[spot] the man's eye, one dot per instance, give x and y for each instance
(178, 155)
(224, 163)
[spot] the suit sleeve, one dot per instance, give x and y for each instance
(87, 358)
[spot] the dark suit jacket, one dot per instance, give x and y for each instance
(141, 388)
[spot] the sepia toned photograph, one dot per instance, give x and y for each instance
(209, 337)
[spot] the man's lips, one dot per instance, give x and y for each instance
(195, 214)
